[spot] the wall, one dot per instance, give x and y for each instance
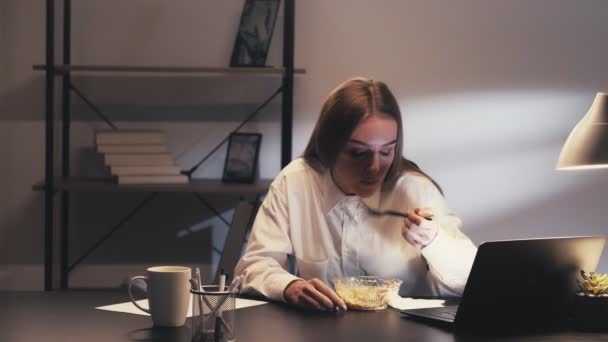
(489, 91)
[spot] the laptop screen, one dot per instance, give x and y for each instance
(526, 283)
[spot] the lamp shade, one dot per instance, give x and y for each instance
(587, 144)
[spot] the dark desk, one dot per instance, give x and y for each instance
(70, 316)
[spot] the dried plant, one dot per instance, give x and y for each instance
(593, 284)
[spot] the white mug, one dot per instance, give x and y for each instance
(168, 291)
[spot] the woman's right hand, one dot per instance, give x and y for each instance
(419, 230)
(313, 294)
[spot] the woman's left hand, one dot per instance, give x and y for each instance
(419, 231)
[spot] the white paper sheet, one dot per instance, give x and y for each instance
(128, 307)
(405, 303)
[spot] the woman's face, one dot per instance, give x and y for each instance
(365, 159)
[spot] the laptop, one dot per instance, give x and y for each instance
(519, 284)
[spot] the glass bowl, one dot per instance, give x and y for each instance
(366, 292)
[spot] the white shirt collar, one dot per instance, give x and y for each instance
(333, 195)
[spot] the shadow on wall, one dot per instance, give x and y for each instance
(480, 45)
(579, 211)
(17, 245)
(155, 233)
(24, 101)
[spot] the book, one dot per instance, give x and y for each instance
(129, 137)
(105, 148)
(174, 179)
(146, 170)
(164, 159)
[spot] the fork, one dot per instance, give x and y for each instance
(376, 212)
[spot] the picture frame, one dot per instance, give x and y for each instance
(242, 157)
(254, 33)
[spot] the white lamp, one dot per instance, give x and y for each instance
(587, 144)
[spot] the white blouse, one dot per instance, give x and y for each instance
(331, 235)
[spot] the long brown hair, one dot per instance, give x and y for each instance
(342, 111)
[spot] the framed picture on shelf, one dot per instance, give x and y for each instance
(242, 158)
(254, 33)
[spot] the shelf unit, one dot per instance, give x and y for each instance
(197, 185)
(64, 184)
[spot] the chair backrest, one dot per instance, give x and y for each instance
(235, 239)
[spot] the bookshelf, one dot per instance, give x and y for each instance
(62, 184)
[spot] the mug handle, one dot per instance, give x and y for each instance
(131, 281)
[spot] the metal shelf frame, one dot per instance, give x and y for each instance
(66, 184)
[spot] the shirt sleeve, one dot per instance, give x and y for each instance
(450, 255)
(264, 264)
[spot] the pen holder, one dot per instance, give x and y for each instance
(213, 315)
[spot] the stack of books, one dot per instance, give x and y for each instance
(139, 157)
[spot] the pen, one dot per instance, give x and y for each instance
(222, 282)
(234, 286)
(220, 288)
(197, 274)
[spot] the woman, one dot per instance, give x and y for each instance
(317, 211)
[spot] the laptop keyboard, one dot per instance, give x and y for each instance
(443, 313)
(451, 315)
